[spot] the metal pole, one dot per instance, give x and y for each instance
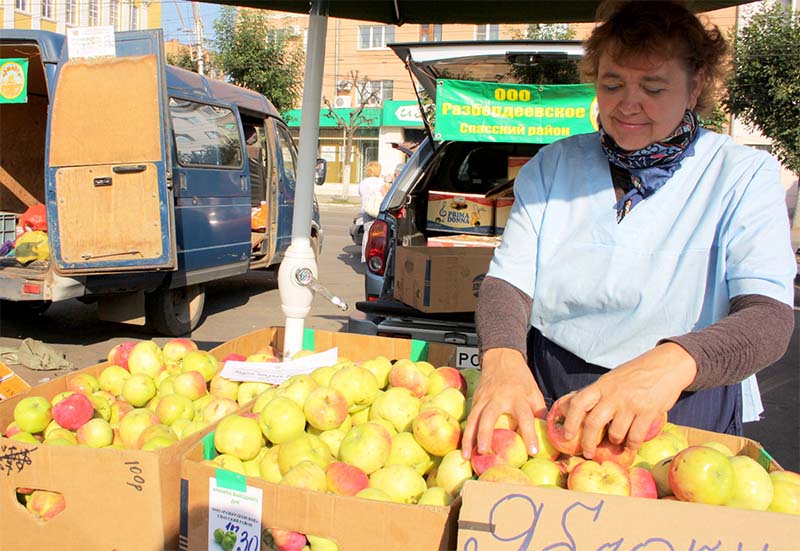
(295, 297)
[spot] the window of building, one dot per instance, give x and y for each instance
(213, 141)
(487, 32)
(47, 9)
(430, 33)
(71, 12)
(134, 17)
(21, 5)
(94, 13)
(374, 92)
(372, 37)
(113, 15)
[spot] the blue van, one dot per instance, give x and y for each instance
(156, 180)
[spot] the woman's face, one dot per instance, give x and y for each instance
(643, 101)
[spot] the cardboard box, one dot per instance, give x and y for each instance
(515, 164)
(355, 523)
(11, 384)
(115, 499)
(464, 240)
(493, 515)
(441, 279)
(502, 210)
(460, 213)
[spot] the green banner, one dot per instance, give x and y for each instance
(14, 80)
(518, 113)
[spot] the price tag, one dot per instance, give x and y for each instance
(234, 518)
(276, 373)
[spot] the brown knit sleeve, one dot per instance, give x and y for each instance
(502, 316)
(755, 334)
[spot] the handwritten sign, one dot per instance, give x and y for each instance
(501, 517)
(277, 372)
(91, 41)
(14, 459)
(234, 518)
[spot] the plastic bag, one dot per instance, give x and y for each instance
(258, 217)
(372, 205)
(34, 219)
(32, 245)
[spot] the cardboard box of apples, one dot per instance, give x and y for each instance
(363, 454)
(91, 460)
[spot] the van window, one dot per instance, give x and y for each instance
(289, 156)
(205, 135)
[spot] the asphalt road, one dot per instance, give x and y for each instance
(243, 304)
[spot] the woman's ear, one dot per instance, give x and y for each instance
(696, 85)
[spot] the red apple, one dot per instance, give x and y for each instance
(507, 447)
(446, 377)
(202, 362)
(45, 504)
(119, 354)
(642, 483)
(437, 431)
(73, 411)
(555, 429)
(286, 540)
(656, 427)
(84, 383)
(174, 350)
(505, 474)
(407, 374)
(702, 475)
(191, 384)
(344, 479)
(600, 478)
(234, 357)
(618, 453)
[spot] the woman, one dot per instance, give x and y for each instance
(651, 260)
(371, 185)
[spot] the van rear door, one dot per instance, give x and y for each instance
(109, 202)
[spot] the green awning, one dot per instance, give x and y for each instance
(372, 114)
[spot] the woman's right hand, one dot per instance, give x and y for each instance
(506, 385)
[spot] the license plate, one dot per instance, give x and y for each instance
(467, 356)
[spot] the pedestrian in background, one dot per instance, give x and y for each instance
(372, 190)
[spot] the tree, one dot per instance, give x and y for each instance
(355, 119)
(764, 88)
(255, 55)
(183, 60)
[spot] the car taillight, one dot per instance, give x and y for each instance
(377, 242)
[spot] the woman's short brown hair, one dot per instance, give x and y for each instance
(659, 29)
(373, 169)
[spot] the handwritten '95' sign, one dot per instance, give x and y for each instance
(560, 520)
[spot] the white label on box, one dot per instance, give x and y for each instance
(467, 356)
(278, 372)
(91, 41)
(234, 515)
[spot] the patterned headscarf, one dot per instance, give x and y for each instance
(651, 166)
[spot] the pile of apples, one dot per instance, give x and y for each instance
(147, 398)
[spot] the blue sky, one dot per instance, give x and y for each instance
(177, 21)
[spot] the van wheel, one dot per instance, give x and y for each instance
(175, 312)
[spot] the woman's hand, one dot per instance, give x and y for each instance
(506, 385)
(630, 397)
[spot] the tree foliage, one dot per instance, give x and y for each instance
(255, 55)
(764, 88)
(183, 60)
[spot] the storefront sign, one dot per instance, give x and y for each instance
(14, 80)
(491, 112)
(401, 113)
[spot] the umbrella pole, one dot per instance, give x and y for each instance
(295, 297)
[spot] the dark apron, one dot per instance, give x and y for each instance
(559, 372)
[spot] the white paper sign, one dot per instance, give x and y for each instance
(276, 373)
(234, 516)
(91, 41)
(467, 356)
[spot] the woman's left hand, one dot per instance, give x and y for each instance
(630, 397)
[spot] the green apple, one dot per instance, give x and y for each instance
(33, 413)
(367, 446)
(437, 431)
(785, 496)
(450, 400)
(172, 407)
(753, 486)
(702, 475)
(281, 420)
(306, 474)
(407, 451)
(304, 447)
(112, 378)
(249, 391)
(201, 361)
(397, 405)
(268, 468)
(297, 388)
(600, 478)
(400, 482)
(452, 472)
(380, 366)
(238, 436)
(146, 359)
(544, 472)
(325, 408)
(138, 389)
(359, 386)
(435, 496)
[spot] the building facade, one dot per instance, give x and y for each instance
(59, 15)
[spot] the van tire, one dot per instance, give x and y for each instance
(175, 312)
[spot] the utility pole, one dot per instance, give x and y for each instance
(199, 37)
